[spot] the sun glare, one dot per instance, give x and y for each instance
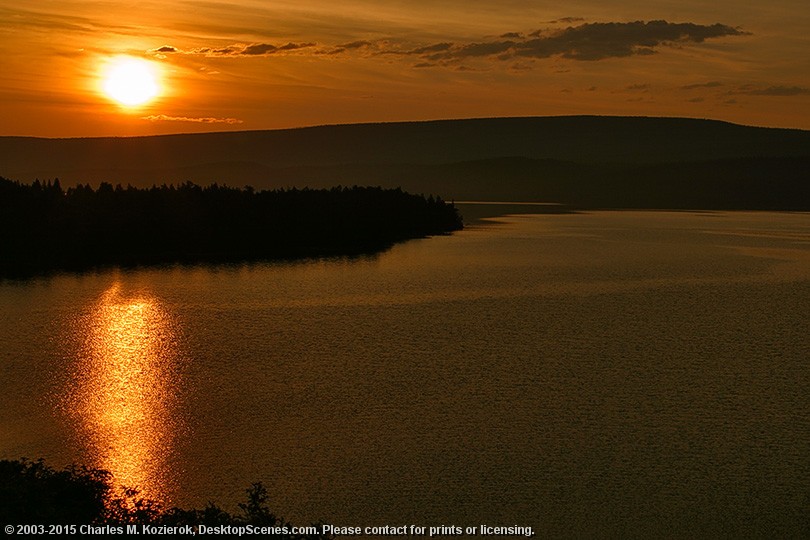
(130, 81)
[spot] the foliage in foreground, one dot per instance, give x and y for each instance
(34, 493)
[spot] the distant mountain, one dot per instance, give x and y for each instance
(579, 160)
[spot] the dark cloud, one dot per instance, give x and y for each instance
(355, 45)
(256, 49)
(778, 91)
(482, 49)
(344, 47)
(567, 20)
(437, 47)
(588, 41)
(710, 84)
(166, 49)
(638, 87)
(259, 49)
(225, 51)
(596, 41)
(295, 46)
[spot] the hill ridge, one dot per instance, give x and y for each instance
(412, 123)
(515, 157)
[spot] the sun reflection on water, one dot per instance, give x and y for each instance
(125, 394)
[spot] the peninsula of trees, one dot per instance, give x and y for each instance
(44, 227)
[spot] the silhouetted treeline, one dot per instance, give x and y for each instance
(33, 493)
(43, 226)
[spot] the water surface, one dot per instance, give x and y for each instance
(599, 374)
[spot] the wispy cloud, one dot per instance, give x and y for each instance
(710, 84)
(253, 49)
(777, 91)
(585, 42)
(204, 120)
(33, 19)
(567, 20)
(430, 49)
(355, 44)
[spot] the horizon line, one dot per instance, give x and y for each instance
(396, 122)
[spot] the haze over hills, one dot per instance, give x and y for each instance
(580, 160)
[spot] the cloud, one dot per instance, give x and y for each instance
(263, 49)
(295, 46)
(435, 48)
(710, 84)
(595, 41)
(59, 21)
(519, 67)
(258, 49)
(481, 49)
(778, 91)
(567, 20)
(585, 42)
(255, 49)
(159, 52)
(355, 44)
(387, 47)
(165, 118)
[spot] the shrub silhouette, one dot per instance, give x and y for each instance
(33, 493)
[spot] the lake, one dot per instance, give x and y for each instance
(594, 374)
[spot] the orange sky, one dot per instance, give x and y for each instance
(255, 64)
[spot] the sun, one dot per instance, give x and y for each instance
(129, 81)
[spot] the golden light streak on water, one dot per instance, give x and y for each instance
(124, 398)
